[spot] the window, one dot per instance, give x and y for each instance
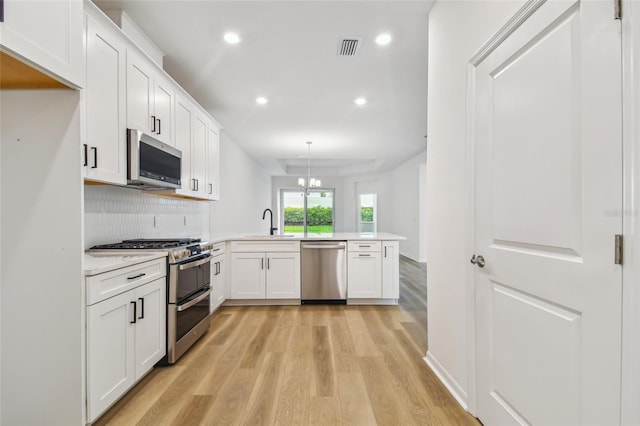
(313, 213)
(367, 216)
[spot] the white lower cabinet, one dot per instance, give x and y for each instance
(248, 276)
(267, 274)
(390, 269)
(364, 275)
(126, 337)
(218, 284)
(283, 276)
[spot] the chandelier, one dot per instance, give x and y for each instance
(312, 182)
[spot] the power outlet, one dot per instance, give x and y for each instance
(156, 221)
(185, 220)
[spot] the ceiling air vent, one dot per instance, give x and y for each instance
(348, 46)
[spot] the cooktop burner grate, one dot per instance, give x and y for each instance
(148, 244)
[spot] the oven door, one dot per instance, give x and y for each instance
(192, 310)
(189, 278)
(186, 323)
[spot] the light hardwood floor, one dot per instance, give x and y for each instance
(302, 365)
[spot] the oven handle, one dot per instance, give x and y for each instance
(190, 265)
(194, 301)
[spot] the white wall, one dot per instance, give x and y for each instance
(408, 218)
(42, 288)
(456, 30)
(400, 197)
(245, 191)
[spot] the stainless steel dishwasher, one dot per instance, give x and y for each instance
(324, 272)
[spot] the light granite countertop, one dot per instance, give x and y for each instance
(337, 236)
(97, 263)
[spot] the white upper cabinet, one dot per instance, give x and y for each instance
(197, 137)
(104, 157)
(46, 35)
(199, 157)
(150, 98)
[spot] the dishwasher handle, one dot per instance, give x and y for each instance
(324, 246)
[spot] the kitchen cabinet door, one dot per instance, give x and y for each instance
(110, 352)
(364, 280)
(213, 163)
(150, 98)
(140, 90)
(163, 96)
(247, 276)
(104, 156)
(150, 326)
(198, 182)
(46, 34)
(183, 132)
(391, 270)
(283, 276)
(217, 282)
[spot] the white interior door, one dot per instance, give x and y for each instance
(548, 167)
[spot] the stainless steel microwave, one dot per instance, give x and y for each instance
(152, 164)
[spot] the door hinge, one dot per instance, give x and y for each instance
(617, 9)
(618, 250)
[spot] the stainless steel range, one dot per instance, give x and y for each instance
(188, 287)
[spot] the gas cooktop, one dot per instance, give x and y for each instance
(148, 244)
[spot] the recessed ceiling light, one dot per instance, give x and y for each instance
(383, 39)
(261, 100)
(232, 38)
(360, 101)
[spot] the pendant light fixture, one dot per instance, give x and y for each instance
(312, 182)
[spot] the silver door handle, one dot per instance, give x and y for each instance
(194, 301)
(323, 246)
(190, 265)
(477, 260)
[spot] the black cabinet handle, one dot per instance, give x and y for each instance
(95, 157)
(159, 127)
(136, 276)
(153, 119)
(86, 151)
(385, 251)
(141, 299)
(210, 188)
(134, 313)
(268, 263)
(262, 263)
(1, 10)
(197, 184)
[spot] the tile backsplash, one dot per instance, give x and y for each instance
(113, 214)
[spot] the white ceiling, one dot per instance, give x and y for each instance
(289, 55)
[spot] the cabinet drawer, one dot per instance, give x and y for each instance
(264, 246)
(364, 246)
(217, 249)
(109, 284)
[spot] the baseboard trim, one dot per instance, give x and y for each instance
(447, 380)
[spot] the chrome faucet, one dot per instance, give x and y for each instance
(271, 228)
